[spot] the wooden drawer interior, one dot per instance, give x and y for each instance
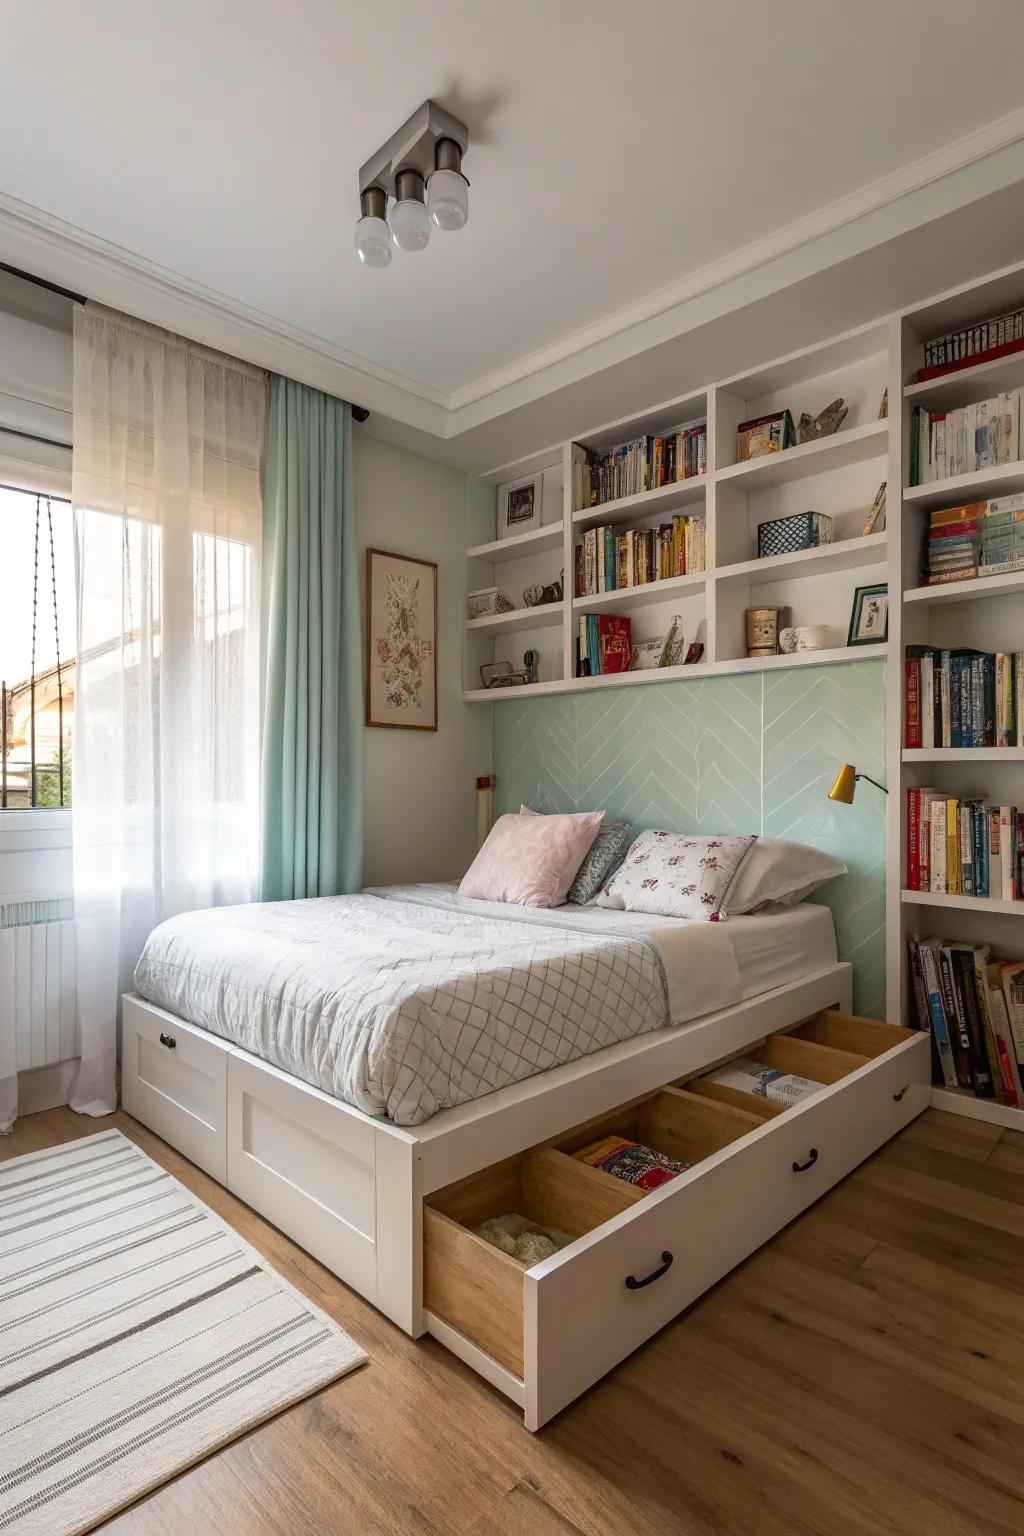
(477, 1288)
(825, 1049)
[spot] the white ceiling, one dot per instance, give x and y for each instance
(617, 150)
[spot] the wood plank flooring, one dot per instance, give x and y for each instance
(862, 1374)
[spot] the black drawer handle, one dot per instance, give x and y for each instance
(633, 1284)
(903, 1090)
(169, 1041)
(812, 1158)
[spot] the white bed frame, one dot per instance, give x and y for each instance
(350, 1188)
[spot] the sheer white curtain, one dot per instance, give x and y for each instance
(168, 439)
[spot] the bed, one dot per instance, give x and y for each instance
(408, 1000)
(366, 1074)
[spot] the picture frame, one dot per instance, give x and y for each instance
(401, 641)
(520, 505)
(869, 617)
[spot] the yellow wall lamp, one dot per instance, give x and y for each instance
(845, 785)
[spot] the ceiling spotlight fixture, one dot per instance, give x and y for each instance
(420, 168)
(373, 239)
(410, 226)
(447, 188)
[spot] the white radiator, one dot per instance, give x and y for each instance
(37, 979)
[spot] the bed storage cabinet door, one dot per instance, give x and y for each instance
(589, 1307)
(174, 1079)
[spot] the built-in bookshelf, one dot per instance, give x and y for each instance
(838, 475)
(980, 613)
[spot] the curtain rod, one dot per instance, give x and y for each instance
(41, 282)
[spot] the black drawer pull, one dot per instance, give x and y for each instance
(169, 1041)
(812, 1158)
(903, 1090)
(633, 1284)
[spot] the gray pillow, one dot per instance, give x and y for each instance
(606, 853)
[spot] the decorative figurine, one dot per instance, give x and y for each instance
(531, 662)
(810, 428)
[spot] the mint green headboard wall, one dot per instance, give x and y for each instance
(751, 753)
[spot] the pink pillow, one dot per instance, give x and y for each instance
(531, 861)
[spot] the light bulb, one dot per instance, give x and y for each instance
(448, 199)
(373, 242)
(410, 227)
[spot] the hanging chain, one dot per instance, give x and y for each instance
(56, 643)
(32, 679)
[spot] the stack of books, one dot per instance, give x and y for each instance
(641, 465)
(963, 698)
(607, 561)
(972, 1003)
(964, 847)
(997, 336)
(982, 538)
(605, 644)
(944, 443)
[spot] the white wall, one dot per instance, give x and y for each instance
(420, 795)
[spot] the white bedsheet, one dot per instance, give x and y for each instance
(407, 1000)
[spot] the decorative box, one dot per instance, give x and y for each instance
(783, 535)
(764, 434)
(487, 602)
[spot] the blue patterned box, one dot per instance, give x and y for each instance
(783, 535)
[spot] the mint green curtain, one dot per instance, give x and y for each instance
(310, 650)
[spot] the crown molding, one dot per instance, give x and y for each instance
(661, 304)
(37, 242)
(953, 176)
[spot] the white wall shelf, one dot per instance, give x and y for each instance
(1000, 480)
(961, 591)
(869, 441)
(968, 384)
(846, 555)
(963, 754)
(642, 596)
(961, 1101)
(633, 509)
(519, 545)
(988, 905)
(519, 618)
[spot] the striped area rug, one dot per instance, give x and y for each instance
(138, 1333)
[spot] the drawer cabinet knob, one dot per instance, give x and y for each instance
(902, 1091)
(812, 1158)
(633, 1284)
(169, 1041)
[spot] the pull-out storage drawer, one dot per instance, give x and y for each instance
(174, 1079)
(640, 1258)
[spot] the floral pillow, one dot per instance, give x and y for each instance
(675, 874)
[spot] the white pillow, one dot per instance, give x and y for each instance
(676, 874)
(778, 871)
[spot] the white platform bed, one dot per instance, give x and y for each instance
(389, 1208)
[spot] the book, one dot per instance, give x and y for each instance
(615, 643)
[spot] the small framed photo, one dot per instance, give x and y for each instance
(869, 621)
(520, 506)
(401, 642)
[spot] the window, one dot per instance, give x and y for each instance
(37, 650)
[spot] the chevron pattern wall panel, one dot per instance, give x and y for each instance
(756, 752)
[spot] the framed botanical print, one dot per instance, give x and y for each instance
(401, 641)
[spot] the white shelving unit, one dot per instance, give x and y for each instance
(838, 475)
(986, 613)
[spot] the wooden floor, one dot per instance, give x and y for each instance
(863, 1373)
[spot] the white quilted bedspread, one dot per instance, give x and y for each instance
(408, 1000)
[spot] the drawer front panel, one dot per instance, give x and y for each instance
(175, 1082)
(581, 1316)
